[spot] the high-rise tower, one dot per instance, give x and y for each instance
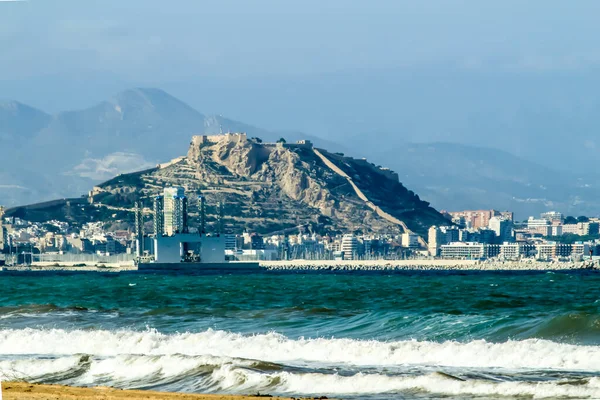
(159, 219)
(175, 211)
(2, 230)
(139, 229)
(202, 210)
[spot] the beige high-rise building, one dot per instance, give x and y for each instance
(175, 211)
(434, 240)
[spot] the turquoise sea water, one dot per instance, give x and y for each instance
(378, 336)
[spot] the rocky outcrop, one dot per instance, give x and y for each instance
(277, 187)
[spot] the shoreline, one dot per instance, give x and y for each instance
(35, 391)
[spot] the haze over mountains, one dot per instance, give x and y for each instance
(50, 156)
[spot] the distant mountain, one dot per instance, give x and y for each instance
(19, 122)
(140, 121)
(47, 156)
(65, 154)
(454, 177)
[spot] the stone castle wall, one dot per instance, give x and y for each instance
(199, 140)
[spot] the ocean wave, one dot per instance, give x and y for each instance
(273, 347)
(39, 310)
(227, 375)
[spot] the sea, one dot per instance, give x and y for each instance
(348, 335)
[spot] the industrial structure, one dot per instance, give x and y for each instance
(172, 244)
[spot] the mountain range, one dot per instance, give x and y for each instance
(54, 156)
(50, 156)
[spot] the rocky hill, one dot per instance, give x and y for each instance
(265, 187)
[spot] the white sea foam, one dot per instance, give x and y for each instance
(376, 383)
(233, 375)
(531, 353)
(32, 369)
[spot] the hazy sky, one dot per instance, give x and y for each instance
(175, 39)
(504, 74)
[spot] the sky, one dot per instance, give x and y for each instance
(501, 74)
(521, 76)
(152, 40)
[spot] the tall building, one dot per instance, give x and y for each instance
(159, 220)
(202, 211)
(175, 211)
(502, 228)
(435, 239)
(2, 230)
(349, 246)
(139, 229)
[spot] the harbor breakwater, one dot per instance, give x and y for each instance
(427, 265)
(347, 265)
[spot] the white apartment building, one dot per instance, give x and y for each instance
(515, 251)
(349, 246)
(469, 251)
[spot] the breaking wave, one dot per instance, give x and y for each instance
(273, 347)
(230, 375)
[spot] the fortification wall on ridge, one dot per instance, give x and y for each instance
(199, 140)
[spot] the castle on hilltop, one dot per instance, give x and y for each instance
(241, 137)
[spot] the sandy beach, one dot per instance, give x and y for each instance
(27, 391)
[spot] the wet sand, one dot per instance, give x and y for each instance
(28, 391)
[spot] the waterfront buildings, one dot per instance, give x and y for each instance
(469, 251)
(516, 251)
(552, 250)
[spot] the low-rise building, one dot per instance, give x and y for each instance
(579, 248)
(551, 250)
(516, 251)
(469, 251)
